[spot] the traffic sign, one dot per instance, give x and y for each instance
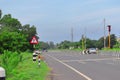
(34, 40)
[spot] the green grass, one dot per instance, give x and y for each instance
(29, 70)
(112, 50)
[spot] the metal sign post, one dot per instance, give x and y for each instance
(34, 41)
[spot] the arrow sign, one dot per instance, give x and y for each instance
(34, 40)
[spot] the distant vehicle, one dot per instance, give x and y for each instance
(44, 50)
(92, 51)
(37, 52)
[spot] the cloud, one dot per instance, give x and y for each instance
(98, 14)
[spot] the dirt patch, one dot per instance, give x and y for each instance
(50, 75)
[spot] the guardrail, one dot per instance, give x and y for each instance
(110, 53)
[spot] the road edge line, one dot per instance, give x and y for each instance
(83, 75)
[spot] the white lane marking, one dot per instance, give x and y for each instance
(82, 62)
(110, 63)
(91, 60)
(83, 75)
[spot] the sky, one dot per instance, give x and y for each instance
(54, 19)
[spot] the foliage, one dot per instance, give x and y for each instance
(112, 39)
(100, 43)
(14, 36)
(44, 45)
(51, 45)
(0, 13)
(29, 31)
(64, 45)
(29, 70)
(117, 45)
(12, 41)
(12, 23)
(88, 43)
(10, 60)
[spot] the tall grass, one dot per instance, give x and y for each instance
(23, 68)
(29, 70)
(10, 60)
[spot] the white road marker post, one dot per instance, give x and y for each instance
(34, 56)
(2, 73)
(39, 59)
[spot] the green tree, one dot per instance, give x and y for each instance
(12, 41)
(30, 31)
(51, 44)
(113, 40)
(0, 14)
(12, 28)
(64, 44)
(12, 23)
(43, 45)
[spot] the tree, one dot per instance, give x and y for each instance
(12, 41)
(64, 44)
(88, 43)
(43, 45)
(0, 14)
(12, 23)
(30, 31)
(11, 29)
(51, 44)
(112, 40)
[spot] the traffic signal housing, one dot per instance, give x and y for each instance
(109, 28)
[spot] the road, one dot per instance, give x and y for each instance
(71, 65)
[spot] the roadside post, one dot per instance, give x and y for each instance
(34, 56)
(39, 59)
(2, 73)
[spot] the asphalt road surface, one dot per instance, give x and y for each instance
(71, 65)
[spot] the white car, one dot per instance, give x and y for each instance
(92, 50)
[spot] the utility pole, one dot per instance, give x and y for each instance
(83, 42)
(72, 34)
(85, 38)
(104, 35)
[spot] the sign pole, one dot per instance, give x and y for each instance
(34, 46)
(109, 40)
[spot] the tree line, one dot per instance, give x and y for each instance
(88, 43)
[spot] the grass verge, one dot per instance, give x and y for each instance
(29, 70)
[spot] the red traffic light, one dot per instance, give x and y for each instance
(109, 28)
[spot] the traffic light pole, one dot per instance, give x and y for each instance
(109, 29)
(109, 40)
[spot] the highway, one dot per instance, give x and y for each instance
(72, 65)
